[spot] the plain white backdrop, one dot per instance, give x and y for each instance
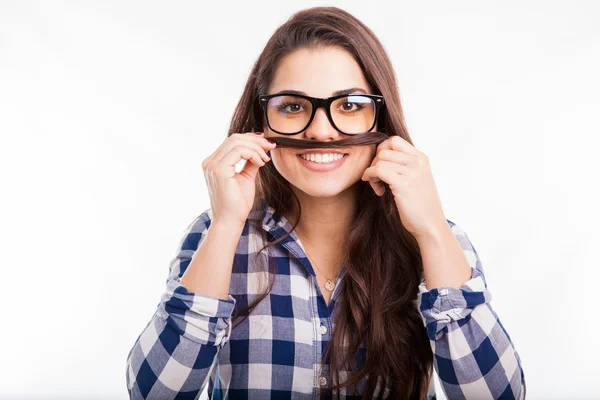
(108, 108)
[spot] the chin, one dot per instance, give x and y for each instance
(321, 189)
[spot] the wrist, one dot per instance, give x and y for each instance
(226, 226)
(434, 234)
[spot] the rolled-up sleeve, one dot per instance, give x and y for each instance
(474, 355)
(176, 352)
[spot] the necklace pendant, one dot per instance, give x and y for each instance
(329, 285)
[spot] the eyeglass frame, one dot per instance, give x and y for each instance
(317, 103)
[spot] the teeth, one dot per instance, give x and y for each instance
(322, 158)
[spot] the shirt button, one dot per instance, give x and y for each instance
(322, 381)
(322, 329)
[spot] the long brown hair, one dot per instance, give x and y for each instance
(383, 263)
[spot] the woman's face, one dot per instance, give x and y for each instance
(320, 73)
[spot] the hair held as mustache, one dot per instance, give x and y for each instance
(354, 140)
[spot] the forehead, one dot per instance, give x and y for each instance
(318, 72)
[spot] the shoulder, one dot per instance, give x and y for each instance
(191, 236)
(201, 222)
(257, 216)
(196, 230)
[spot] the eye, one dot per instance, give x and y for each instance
(348, 106)
(293, 107)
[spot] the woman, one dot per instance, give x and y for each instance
(330, 272)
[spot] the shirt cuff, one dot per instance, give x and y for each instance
(198, 317)
(441, 307)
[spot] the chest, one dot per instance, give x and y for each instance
(326, 265)
(280, 344)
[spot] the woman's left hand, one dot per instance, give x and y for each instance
(407, 172)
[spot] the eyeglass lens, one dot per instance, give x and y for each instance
(291, 114)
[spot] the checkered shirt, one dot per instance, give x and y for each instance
(189, 346)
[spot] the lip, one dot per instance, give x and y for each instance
(313, 166)
(324, 151)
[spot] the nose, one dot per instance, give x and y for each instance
(320, 128)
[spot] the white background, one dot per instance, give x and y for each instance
(107, 110)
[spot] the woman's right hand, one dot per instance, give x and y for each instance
(232, 194)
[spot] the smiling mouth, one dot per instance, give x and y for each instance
(322, 160)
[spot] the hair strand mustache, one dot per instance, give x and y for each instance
(353, 140)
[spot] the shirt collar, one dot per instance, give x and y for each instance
(277, 225)
(270, 218)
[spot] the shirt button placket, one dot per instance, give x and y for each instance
(322, 329)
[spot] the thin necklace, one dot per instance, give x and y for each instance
(330, 283)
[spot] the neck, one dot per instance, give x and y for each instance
(324, 221)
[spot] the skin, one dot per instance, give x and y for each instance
(328, 199)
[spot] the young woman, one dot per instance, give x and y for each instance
(330, 272)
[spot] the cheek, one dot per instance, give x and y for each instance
(281, 159)
(365, 161)
(367, 156)
(357, 166)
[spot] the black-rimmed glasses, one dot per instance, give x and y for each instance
(350, 114)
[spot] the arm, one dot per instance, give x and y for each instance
(177, 350)
(473, 353)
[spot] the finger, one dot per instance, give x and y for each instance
(242, 152)
(387, 176)
(250, 170)
(396, 142)
(376, 183)
(397, 157)
(257, 144)
(259, 138)
(384, 171)
(225, 168)
(378, 187)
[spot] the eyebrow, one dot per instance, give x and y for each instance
(336, 93)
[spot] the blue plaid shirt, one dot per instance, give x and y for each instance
(189, 344)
